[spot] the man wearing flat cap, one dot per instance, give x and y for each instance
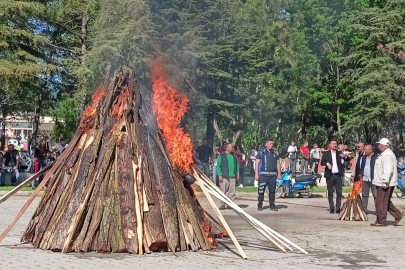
(385, 179)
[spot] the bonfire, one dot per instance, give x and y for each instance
(125, 183)
(353, 209)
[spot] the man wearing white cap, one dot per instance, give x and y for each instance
(385, 179)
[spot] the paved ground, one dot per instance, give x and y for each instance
(332, 244)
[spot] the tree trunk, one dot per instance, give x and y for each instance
(83, 40)
(37, 116)
(303, 129)
(338, 122)
(210, 127)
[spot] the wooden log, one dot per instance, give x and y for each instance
(110, 146)
(137, 192)
(76, 189)
(103, 243)
(343, 211)
(116, 233)
(25, 183)
(93, 216)
(60, 161)
(36, 218)
(166, 194)
(43, 220)
(127, 195)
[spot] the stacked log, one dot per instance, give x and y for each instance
(353, 208)
(116, 190)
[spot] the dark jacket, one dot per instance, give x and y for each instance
(225, 165)
(327, 158)
(360, 170)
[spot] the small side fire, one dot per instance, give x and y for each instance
(353, 209)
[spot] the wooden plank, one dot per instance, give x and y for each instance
(221, 217)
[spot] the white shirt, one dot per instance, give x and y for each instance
(315, 153)
(367, 169)
(292, 149)
(335, 168)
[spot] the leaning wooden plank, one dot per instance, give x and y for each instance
(220, 216)
(25, 183)
(60, 161)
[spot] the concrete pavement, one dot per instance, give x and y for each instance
(332, 244)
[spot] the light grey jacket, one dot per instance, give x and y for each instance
(385, 170)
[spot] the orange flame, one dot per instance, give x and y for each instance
(87, 120)
(118, 108)
(355, 192)
(169, 107)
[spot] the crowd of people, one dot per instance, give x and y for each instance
(378, 172)
(43, 156)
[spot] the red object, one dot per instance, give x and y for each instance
(220, 150)
(36, 165)
(305, 150)
(239, 157)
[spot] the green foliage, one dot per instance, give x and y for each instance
(65, 117)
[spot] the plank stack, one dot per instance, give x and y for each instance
(114, 189)
(353, 209)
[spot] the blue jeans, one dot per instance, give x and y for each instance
(14, 176)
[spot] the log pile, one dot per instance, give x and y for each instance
(114, 189)
(353, 209)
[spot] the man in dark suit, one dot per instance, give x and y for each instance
(334, 171)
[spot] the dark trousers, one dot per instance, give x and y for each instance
(314, 165)
(293, 165)
(334, 182)
(384, 204)
(241, 175)
(267, 181)
(365, 192)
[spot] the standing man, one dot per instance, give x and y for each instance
(204, 152)
(292, 157)
(385, 179)
(228, 173)
(305, 158)
(368, 175)
(315, 157)
(332, 160)
(9, 164)
(269, 171)
(360, 152)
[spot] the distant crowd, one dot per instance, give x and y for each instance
(42, 157)
(377, 172)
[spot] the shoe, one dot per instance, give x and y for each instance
(338, 211)
(273, 208)
(377, 225)
(397, 220)
(222, 207)
(259, 208)
(332, 211)
(241, 186)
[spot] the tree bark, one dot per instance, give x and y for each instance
(210, 127)
(37, 116)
